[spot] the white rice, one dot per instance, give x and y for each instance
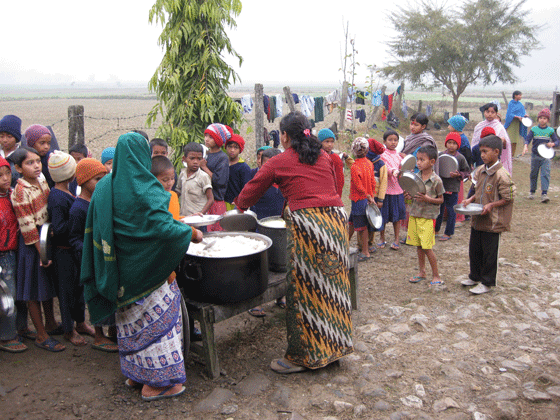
(227, 246)
(274, 223)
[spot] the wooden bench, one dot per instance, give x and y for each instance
(208, 314)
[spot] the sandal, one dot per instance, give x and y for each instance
(13, 347)
(381, 245)
(106, 347)
(362, 257)
(257, 312)
(372, 249)
(29, 334)
(163, 394)
(416, 279)
(50, 345)
(395, 246)
(281, 303)
(444, 238)
(284, 366)
(436, 283)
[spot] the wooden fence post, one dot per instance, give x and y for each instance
(259, 116)
(420, 105)
(289, 99)
(343, 101)
(75, 125)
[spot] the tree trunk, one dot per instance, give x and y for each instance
(259, 116)
(455, 104)
(343, 100)
(76, 133)
(289, 99)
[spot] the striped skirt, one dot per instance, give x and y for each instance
(319, 310)
(150, 337)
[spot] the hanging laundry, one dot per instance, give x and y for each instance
(307, 105)
(390, 99)
(247, 103)
(266, 104)
(405, 109)
(360, 115)
(348, 115)
(333, 97)
(278, 106)
(275, 137)
(360, 97)
(351, 94)
(266, 138)
(296, 98)
(376, 98)
(385, 101)
(495, 101)
(319, 109)
(271, 114)
(428, 110)
(399, 90)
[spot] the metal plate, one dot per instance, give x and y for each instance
(7, 306)
(526, 121)
(471, 209)
(205, 220)
(400, 145)
(374, 216)
(236, 221)
(45, 238)
(445, 165)
(408, 163)
(412, 183)
(545, 152)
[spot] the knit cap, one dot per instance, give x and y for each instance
(236, 138)
(325, 133)
(359, 144)
(12, 125)
(62, 166)
(453, 136)
(4, 162)
(88, 168)
(487, 131)
(263, 148)
(544, 113)
(35, 132)
(376, 147)
(107, 154)
(221, 133)
(458, 122)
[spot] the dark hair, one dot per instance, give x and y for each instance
(490, 105)
(158, 142)
(388, 133)
(269, 153)
(160, 164)
(515, 93)
(192, 147)
(142, 133)
(420, 118)
(308, 147)
(79, 148)
(20, 154)
(429, 151)
(492, 142)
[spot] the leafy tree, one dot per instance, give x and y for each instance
(192, 79)
(478, 43)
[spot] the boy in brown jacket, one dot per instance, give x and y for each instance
(495, 191)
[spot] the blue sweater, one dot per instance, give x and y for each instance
(58, 207)
(77, 225)
(539, 136)
(218, 164)
(270, 204)
(239, 175)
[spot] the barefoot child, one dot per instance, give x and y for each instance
(425, 208)
(34, 286)
(393, 209)
(541, 134)
(239, 171)
(88, 172)
(362, 190)
(8, 245)
(494, 189)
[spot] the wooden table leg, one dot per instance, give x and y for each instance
(353, 277)
(209, 342)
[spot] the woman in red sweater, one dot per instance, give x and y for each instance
(318, 317)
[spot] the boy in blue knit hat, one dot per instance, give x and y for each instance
(107, 156)
(457, 124)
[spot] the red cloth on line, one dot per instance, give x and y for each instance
(339, 172)
(390, 102)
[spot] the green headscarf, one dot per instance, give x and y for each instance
(131, 242)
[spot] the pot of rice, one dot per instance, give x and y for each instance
(275, 228)
(233, 269)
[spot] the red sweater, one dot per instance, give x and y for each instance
(362, 181)
(339, 171)
(8, 225)
(302, 185)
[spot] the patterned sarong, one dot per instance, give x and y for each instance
(150, 336)
(318, 317)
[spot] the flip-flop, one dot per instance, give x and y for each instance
(258, 313)
(444, 238)
(372, 248)
(9, 347)
(162, 395)
(281, 304)
(381, 245)
(132, 385)
(29, 334)
(362, 257)
(416, 279)
(284, 366)
(395, 246)
(50, 345)
(436, 283)
(57, 331)
(106, 347)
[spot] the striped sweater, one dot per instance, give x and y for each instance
(30, 206)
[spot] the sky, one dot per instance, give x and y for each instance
(288, 42)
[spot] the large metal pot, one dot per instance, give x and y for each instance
(278, 252)
(225, 280)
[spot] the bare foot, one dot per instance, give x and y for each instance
(12, 346)
(75, 338)
(85, 329)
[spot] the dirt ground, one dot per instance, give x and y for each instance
(421, 352)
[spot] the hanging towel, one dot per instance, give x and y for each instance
(333, 97)
(307, 105)
(348, 115)
(376, 98)
(351, 95)
(390, 99)
(266, 104)
(278, 106)
(247, 103)
(319, 109)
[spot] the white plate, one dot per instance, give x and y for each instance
(412, 183)
(545, 152)
(45, 238)
(408, 163)
(472, 209)
(400, 144)
(558, 130)
(526, 121)
(374, 216)
(206, 220)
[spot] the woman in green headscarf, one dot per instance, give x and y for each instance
(131, 247)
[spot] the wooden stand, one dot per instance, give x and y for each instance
(208, 314)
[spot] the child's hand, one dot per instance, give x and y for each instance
(407, 195)
(466, 202)
(550, 145)
(379, 205)
(422, 197)
(455, 174)
(203, 164)
(45, 265)
(196, 236)
(525, 149)
(487, 208)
